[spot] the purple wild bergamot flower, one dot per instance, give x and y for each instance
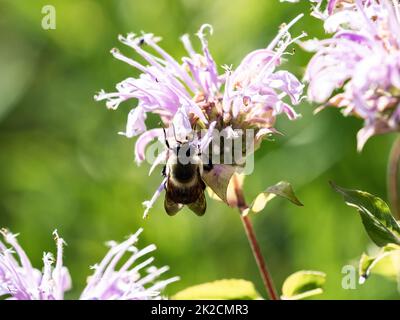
(194, 94)
(324, 8)
(19, 280)
(358, 68)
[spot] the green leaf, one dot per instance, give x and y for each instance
(218, 179)
(378, 221)
(282, 189)
(230, 289)
(386, 263)
(303, 284)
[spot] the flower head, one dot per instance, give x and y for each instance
(358, 68)
(19, 280)
(194, 94)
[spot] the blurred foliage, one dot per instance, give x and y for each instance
(375, 214)
(303, 284)
(228, 289)
(64, 166)
(385, 263)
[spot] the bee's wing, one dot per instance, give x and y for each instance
(218, 179)
(170, 206)
(199, 206)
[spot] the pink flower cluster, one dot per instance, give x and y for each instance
(19, 280)
(358, 67)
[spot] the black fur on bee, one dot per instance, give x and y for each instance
(184, 185)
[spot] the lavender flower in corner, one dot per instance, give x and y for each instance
(19, 280)
(194, 94)
(358, 67)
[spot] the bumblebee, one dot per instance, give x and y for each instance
(184, 186)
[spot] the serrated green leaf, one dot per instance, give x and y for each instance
(386, 263)
(282, 189)
(303, 284)
(229, 289)
(378, 221)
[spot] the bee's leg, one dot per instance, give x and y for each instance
(164, 171)
(208, 166)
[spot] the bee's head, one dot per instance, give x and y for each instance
(185, 152)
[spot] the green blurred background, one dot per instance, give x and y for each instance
(65, 167)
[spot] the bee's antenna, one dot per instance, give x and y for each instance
(192, 136)
(194, 129)
(165, 138)
(173, 128)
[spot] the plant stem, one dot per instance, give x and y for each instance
(392, 178)
(255, 247)
(267, 279)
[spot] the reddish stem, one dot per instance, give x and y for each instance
(392, 178)
(267, 279)
(255, 247)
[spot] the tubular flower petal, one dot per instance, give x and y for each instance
(358, 68)
(19, 280)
